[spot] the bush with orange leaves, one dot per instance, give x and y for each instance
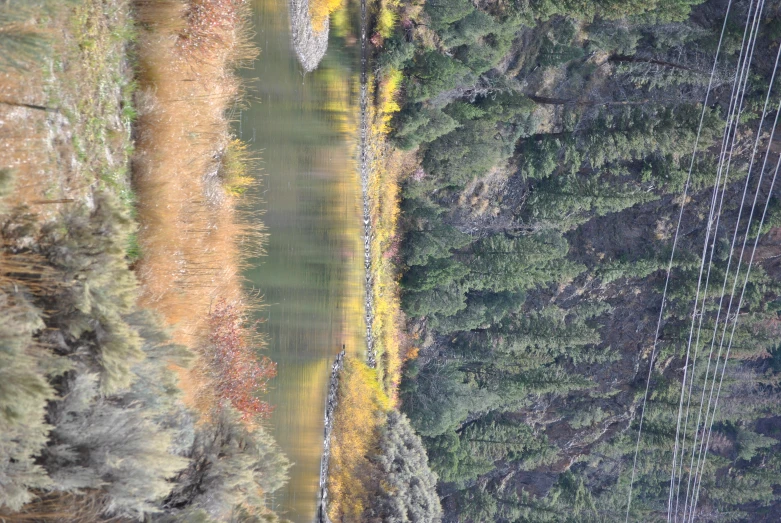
(238, 373)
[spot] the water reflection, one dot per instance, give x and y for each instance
(302, 126)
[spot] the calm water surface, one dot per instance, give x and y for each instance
(302, 128)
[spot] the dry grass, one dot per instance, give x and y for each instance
(188, 171)
(82, 142)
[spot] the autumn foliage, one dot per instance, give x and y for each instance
(360, 414)
(320, 10)
(238, 373)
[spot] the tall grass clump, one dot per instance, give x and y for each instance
(193, 236)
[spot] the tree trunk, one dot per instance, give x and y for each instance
(29, 106)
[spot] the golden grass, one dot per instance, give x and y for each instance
(189, 172)
(359, 416)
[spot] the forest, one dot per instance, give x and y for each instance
(572, 259)
(554, 171)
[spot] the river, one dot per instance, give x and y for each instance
(303, 129)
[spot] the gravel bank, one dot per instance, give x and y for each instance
(309, 45)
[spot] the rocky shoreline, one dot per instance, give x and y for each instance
(365, 161)
(331, 401)
(330, 408)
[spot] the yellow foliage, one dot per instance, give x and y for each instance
(386, 20)
(388, 105)
(359, 415)
(386, 170)
(320, 10)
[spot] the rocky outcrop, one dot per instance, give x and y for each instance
(309, 45)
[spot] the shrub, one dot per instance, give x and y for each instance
(230, 466)
(407, 486)
(87, 248)
(239, 374)
(24, 392)
(107, 444)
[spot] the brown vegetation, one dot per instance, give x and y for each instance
(189, 171)
(236, 372)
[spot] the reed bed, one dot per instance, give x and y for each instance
(189, 175)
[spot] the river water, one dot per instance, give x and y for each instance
(302, 127)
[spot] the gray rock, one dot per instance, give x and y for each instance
(330, 410)
(309, 45)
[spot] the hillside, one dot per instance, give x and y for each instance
(554, 144)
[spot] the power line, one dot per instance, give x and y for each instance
(735, 111)
(748, 176)
(672, 256)
(696, 493)
(703, 456)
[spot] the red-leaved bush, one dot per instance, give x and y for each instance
(239, 373)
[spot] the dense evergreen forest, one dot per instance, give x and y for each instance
(554, 141)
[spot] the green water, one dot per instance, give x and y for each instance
(311, 278)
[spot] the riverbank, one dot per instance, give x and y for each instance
(94, 419)
(367, 390)
(194, 236)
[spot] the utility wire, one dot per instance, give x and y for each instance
(734, 96)
(726, 275)
(698, 485)
(672, 256)
(703, 453)
(735, 111)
